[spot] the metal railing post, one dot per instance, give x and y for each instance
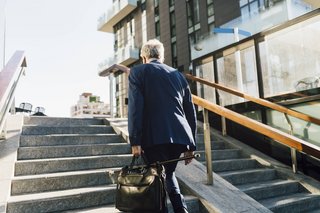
(223, 120)
(207, 144)
(293, 150)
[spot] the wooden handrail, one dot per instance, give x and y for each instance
(271, 132)
(257, 100)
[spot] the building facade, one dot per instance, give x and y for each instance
(89, 106)
(189, 30)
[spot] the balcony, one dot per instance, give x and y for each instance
(263, 19)
(124, 56)
(120, 9)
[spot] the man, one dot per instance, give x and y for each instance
(161, 115)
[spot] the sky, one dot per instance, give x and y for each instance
(63, 49)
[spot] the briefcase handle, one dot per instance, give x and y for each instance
(177, 159)
(135, 160)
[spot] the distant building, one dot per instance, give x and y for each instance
(89, 106)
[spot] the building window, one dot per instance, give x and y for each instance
(190, 19)
(156, 3)
(130, 33)
(248, 7)
(171, 3)
(193, 12)
(174, 54)
(210, 8)
(156, 17)
(156, 11)
(119, 36)
(144, 26)
(194, 37)
(173, 24)
(157, 25)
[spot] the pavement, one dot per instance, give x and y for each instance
(8, 155)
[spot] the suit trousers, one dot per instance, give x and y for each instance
(169, 152)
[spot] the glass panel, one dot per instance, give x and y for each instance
(173, 24)
(238, 71)
(205, 70)
(302, 129)
(190, 14)
(196, 11)
(210, 10)
(291, 60)
(157, 28)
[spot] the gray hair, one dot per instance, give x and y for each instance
(153, 49)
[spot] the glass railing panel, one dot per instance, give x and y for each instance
(238, 71)
(255, 115)
(127, 53)
(290, 59)
(119, 10)
(206, 71)
(302, 129)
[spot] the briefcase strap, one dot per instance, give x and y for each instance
(177, 159)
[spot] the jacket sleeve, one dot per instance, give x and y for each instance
(135, 107)
(190, 111)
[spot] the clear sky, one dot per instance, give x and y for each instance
(63, 49)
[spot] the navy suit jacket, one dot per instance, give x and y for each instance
(160, 108)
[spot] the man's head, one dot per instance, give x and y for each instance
(152, 49)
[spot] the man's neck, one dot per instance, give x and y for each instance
(153, 59)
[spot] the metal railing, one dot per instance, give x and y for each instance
(281, 137)
(9, 78)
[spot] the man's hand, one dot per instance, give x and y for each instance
(136, 150)
(188, 154)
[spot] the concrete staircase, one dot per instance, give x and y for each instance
(275, 187)
(69, 165)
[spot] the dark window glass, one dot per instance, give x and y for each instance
(210, 8)
(174, 54)
(173, 24)
(158, 28)
(193, 12)
(156, 11)
(225, 11)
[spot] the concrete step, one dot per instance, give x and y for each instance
(42, 166)
(215, 145)
(294, 203)
(48, 130)
(200, 139)
(56, 140)
(62, 200)
(72, 151)
(61, 121)
(248, 176)
(314, 211)
(63, 181)
(273, 188)
(221, 154)
(234, 164)
(191, 201)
